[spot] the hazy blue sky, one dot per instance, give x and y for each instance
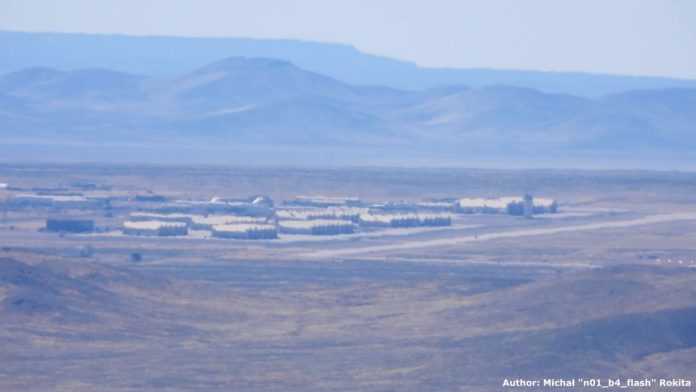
(639, 37)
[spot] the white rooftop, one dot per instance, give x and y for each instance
(544, 202)
(152, 225)
(225, 219)
(326, 200)
(499, 202)
(306, 213)
(60, 198)
(242, 227)
(386, 218)
(443, 204)
(155, 215)
(304, 224)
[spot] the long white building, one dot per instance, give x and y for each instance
(323, 201)
(513, 205)
(405, 220)
(155, 228)
(329, 213)
(149, 216)
(200, 222)
(245, 231)
(316, 227)
(58, 201)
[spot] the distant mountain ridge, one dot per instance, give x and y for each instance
(156, 55)
(269, 102)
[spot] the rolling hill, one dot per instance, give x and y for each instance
(268, 103)
(158, 55)
(262, 325)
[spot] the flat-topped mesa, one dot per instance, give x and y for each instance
(246, 63)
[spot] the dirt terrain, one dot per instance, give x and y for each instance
(454, 309)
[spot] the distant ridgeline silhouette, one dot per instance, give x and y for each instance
(264, 110)
(153, 55)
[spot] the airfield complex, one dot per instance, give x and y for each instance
(168, 288)
(251, 218)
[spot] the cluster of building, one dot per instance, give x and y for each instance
(222, 226)
(257, 217)
(517, 206)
